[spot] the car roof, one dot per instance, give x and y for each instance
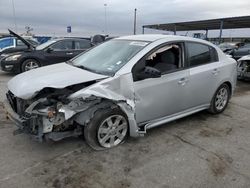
(155, 37)
(69, 38)
(164, 38)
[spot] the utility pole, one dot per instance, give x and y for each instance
(135, 22)
(28, 30)
(14, 15)
(105, 24)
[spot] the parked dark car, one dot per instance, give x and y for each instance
(242, 51)
(229, 47)
(51, 52)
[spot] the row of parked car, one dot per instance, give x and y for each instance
(25, 53)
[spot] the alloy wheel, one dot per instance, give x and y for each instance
(112, 131)
(31, 65)
(221, 99)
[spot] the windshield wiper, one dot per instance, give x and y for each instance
(68, 62)
(79, 66)
(91, 70)
(85, 68)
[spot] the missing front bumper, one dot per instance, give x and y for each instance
(13, 116)
(20, 122)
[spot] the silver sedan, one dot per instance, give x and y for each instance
(122, 88)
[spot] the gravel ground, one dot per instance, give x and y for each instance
(201, 150)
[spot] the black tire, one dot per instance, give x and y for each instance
(215, 110)
(28, 61)
(91, 129)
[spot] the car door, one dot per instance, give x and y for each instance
(205, 71)
(81, 45)
(163, 96)
(60, 51)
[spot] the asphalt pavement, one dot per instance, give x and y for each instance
(201, 150)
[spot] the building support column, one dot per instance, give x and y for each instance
(206, 34)
(221, 28)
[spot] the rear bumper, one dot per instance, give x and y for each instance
(12, 115)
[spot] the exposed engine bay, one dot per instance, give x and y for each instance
(43, 113)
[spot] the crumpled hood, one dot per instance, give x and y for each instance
(246, 57)
(61, 75)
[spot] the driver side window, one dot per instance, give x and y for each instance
(166, 59)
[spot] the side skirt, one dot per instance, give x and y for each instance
(166, 119)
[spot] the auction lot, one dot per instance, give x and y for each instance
(201, 150)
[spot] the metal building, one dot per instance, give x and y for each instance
(212, 24)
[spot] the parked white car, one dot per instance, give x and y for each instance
(122, 88)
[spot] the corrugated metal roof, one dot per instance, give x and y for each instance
(213, 24)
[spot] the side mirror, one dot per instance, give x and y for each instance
(49, 50)
(150, 72)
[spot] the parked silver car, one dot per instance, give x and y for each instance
(122, 88)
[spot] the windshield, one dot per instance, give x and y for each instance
(46, 44)
(109, 57)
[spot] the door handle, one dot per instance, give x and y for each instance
(182, 81)
(69, 53)
(215, 71)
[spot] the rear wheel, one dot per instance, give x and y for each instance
(29, 64)
(108, 128)
(220, 99)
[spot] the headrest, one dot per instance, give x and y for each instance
(168, 57)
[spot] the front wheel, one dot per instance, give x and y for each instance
(108, 128)
(220, 99)
(29, 64)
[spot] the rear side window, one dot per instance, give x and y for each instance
(200, 54)
(82, 44)
(19, 43)
(63, 45)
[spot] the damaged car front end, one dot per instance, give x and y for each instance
(243, 67)
(48, 114)
(59, 100)
(48, 117)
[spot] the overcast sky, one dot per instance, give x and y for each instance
(51, 17)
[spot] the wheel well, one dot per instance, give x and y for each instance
(25, 60)
(230, 87)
